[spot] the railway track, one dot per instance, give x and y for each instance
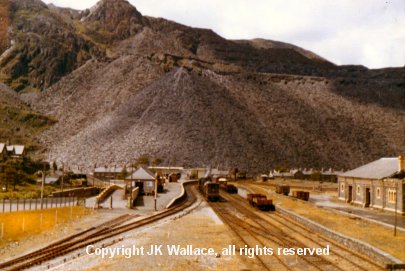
(276, 230)
(246, 236)
(92, 235)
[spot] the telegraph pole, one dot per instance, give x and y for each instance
(155, 190)
(396, 207)
(94, 171)
(130, 186)
(42, 186)
(63, 174)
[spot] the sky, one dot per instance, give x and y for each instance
(361, 32)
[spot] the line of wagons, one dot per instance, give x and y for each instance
(285, 190)
(209, 187)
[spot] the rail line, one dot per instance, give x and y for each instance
(244, 234)
(287, 222)
(287, 234)
(269, 236)
(344, 253)
(92, 235)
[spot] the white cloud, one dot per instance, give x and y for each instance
(367, 32)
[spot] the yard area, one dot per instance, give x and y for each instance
(372, 233)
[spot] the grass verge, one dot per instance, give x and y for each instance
(20, 225)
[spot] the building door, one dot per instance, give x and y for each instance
(368, 195)
(350, 194)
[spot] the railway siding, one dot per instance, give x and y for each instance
(364, 248)
(370, 237)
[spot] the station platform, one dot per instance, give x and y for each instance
(143, 203)
(375, 215)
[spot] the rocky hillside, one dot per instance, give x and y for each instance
(121, 85)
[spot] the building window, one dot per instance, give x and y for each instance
(358, 190)
(392, 196)
(342, 187)
(378, 193)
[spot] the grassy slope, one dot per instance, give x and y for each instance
(18, 123)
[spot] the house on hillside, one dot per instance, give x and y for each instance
(297, 174)
(15, 151)
(108, 173)
(379, 184)
(163, 171)
(291, 174)
(330, 175)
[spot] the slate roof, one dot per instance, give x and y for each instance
(141, 174)
(108, 169)
(18, 149)
(48, 180)
(15, 149)
(379, 169)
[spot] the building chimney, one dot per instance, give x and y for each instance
(401, 163)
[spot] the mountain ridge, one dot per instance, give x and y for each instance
(143, 85)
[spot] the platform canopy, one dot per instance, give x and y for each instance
(143, 174)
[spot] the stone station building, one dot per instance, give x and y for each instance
(379, 184)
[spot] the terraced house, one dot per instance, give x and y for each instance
(11, 151)
(379, 184)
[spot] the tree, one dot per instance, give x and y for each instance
(142, 160)
(316, 176)
(3, 176)
(123, 174)
(284, 167)
(156, 162)
(54, 167)
(19, 178)
(10, 175)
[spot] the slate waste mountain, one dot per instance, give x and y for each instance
(108, 84)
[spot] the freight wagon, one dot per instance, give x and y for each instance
(302, 195)
(283, 189)
(261, 202)
(230, 188)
